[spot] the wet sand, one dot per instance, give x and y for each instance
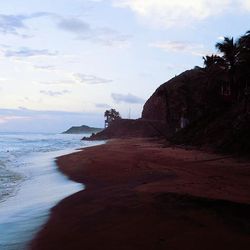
(141, 195)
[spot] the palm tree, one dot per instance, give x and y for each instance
(244, 43)
(111, 115)
(114, 114)
(213, 75)
(213, 70)
(244, 58)
(244, 52)
(230, 53)
(213, 60)
(107, 120)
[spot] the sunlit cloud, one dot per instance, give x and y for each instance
(220, 38)
(245, 4)
(167, 14)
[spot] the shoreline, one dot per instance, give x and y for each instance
(24, 213)
(140, 195)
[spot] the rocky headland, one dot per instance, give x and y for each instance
(82, 130)
(190, 110)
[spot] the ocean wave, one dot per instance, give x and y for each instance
(15, 148)
(9, 182)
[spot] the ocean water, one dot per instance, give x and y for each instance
(30, 183)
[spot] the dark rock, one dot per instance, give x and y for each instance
(125, 128)
(211, 120)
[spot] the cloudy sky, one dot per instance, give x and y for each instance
(64, 62)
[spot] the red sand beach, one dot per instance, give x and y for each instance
(141, 195)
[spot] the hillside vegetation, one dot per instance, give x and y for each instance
(210, 105)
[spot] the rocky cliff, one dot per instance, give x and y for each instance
(212, 119)
(181, 97)
(190, 109)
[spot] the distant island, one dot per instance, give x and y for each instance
(82, 129)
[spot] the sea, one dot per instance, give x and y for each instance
(30, 183)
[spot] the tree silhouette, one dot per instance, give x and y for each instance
(244, 55)
(244, 72)
(230, 53)
(111, 115)
(231, 69)
(212, 61)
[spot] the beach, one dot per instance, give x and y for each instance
(143, 194)
(30, 183)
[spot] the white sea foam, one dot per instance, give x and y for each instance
(30, 183)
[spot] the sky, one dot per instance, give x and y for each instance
(64, 62)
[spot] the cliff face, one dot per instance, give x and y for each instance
(194, 101)
(180, 100)
(181, 97)
(191, 109)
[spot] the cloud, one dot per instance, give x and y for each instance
(27, 52)
(129, 98)
(245, 4)
(167, 14)
(74, 25)
(178, 46)
(221, 38)
(84, 31)
(11, 24)
(102, 105)
(90, 79)
(6, 119)
(54, 93)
